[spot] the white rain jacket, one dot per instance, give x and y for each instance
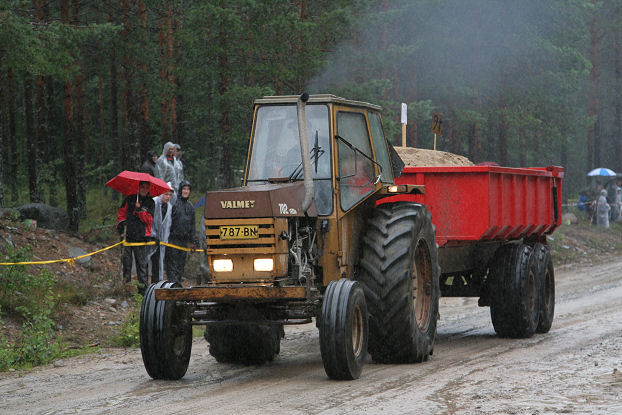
(602, 210)
(167, 168)
(161, 227)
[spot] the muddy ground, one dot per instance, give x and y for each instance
(576, 368)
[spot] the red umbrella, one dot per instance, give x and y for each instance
(127, 182)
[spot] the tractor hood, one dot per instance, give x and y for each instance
(258, 201)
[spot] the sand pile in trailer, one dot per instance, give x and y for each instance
(419, 157)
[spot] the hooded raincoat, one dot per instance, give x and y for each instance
(602, 210)
(182, 234)
(166, 167)
(160, 230)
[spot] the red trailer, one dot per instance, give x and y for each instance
(491, 226)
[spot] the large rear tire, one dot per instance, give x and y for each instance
(515, 286)
(547, 288)
(343, 330)
(165, 335)
(249, 344)
(400, 275)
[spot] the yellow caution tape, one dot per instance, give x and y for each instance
(70, 261)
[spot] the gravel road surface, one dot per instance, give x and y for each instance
(576, 368)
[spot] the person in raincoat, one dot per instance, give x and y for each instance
(616, 211)
(602, 210)
(166, 165)
(182, 233)
(162, 218)
(135, 217)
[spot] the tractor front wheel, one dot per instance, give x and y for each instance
(343, 330)
(165, 335)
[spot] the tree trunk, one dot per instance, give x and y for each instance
(502, 145)
(51, 146)
(12, 140)
(475, 135)
(68, 135)
(4, 131)
(143, 93)
(125, 92)
(164, 124)
(225, 116)
(593, 135)
(617, 97)
(170, 72)
(179, 106)
(115, 143)
(31, 142)
(81, 130)
(42, 120)
(522, 144)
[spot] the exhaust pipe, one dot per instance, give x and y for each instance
(303, 134)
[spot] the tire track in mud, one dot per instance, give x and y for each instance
(568, 370)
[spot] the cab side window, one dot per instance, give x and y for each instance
(356, 172)
(380, 147)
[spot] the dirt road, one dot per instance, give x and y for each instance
(576, 368)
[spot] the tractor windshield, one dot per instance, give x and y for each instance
(275, 151)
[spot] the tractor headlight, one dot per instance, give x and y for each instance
(223, 265)
(263, 264)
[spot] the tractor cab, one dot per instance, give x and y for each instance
(347, 148)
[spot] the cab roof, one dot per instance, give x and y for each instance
(317, 98)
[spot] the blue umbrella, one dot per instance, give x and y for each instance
(601, 171)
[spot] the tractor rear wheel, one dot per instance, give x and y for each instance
(343, 330)
(249, 344)
(400, 275)
(165, 335)
(547, 288)
(515, 286)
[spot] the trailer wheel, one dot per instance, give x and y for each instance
(165, 335)
(343, 330)
(547, 288)
(249, 344)
(400, 275)
(515, 286)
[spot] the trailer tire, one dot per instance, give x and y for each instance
(515, 286)
(547, 288)
(343, 330)
(400, 259)
(249, 344)
(165, 335)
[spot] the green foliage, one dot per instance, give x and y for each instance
(32, 298)
(129, 335)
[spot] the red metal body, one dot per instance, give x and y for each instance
(484, 203)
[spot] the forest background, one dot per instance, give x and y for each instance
(87, 87)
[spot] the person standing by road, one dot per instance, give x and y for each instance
(134, 218)
(149, 165)
(602, 210)
(182, 233)
(162, 218)
(166, 165)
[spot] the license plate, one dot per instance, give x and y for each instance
(239, 232)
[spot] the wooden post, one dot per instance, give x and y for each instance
(403, 135)
(404, 122)
(434, 141)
